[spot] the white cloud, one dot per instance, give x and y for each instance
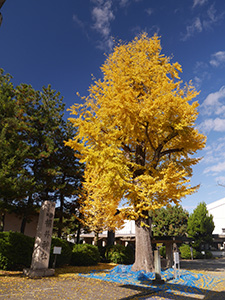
(220, 167)
(214, 156)
(195, 26)
(149, 11)
(78, 21)
(217, 58)
(102, 15)
(212, 14)
(199, 2)
(213, 98)
(124, 2)
(205, 23)
(220, 180)
(217, 124)
(215, 151)
(197, 82)
(214, 103)
(201, 73)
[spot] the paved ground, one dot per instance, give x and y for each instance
(208, 265)
(70, 286)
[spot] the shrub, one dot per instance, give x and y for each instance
(120, 254)
(162, 251)
(15, 250)
(85, 255)
(185, 252)
(102, 251)
(66, 253)
(207, 254)
(199, 255)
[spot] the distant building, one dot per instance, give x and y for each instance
(217, 210)
(13, 223)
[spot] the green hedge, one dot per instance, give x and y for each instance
(120, 254)
(185, 252)
(207, 255)
(85, 255)
(162, 251)
(15, 250)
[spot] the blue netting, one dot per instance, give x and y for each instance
(187, 283)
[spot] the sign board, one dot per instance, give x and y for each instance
(176, 257)
(176, 265)
(57, 250)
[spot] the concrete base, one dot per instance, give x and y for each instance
(158, 281)
(38, 273)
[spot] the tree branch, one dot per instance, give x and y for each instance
(158, 151)
(148, 137)
(171, 151)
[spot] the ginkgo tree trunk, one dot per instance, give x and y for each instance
(136, 133)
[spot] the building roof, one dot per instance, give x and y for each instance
(216, 204)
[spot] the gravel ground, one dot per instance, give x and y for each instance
(72, 286)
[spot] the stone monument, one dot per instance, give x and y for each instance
(42, 245)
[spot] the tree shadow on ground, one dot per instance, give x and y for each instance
(170, 291)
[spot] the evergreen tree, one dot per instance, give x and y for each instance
(200, 226)
(169, 221)
(68, 181)
(14, 178)
(35, 164)
(42, 115)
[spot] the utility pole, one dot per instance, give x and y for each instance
(1, 3)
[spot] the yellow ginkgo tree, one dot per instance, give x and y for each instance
(136, 135)
(99, 212)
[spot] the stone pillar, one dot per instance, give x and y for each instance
(157, 263)
(42, 245)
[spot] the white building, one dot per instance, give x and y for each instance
(217, 210)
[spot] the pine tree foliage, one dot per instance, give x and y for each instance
(200, 226)
(35, 164)
(136, 130)
(169, 221)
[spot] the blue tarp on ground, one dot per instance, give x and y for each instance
(188, 283)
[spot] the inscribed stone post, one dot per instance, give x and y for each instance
(42, 245)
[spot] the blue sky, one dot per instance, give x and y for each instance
(63, 43)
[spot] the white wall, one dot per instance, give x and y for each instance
(129, 228)
(217, 209)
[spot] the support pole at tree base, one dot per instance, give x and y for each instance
(157, 263)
